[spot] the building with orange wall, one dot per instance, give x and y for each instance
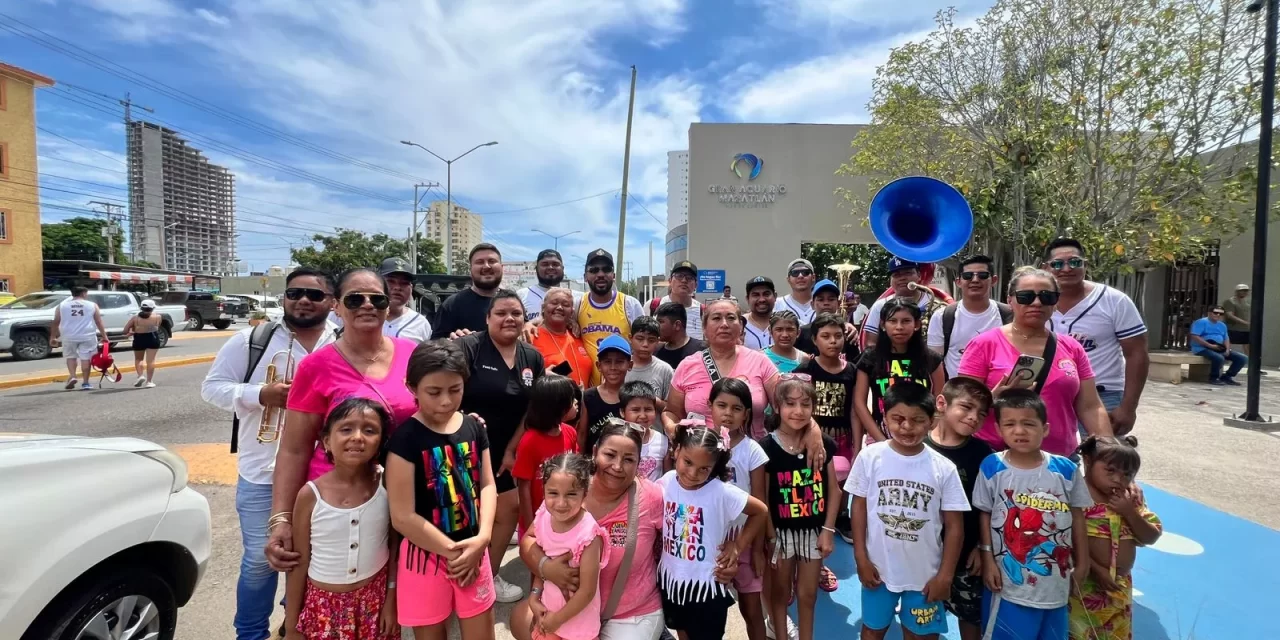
(21, 269)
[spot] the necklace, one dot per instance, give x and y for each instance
(1024, 336)
(795, 450)
(369, 359)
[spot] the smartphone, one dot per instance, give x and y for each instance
(1025, 371)
(563, 369)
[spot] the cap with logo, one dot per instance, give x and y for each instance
(549, 253)
(799, 262)
(898, 264)
(1242, 287)
(395, 265)
(759, 281)
(600, 255)
(825, 284)
(616, 343)
(684, 265)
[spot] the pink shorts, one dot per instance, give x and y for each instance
(843, 465)
(425, 595)
(747, 581)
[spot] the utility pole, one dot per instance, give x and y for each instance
(650, 296)
(448, 217)
(626, 170)
(413, 234)
(112, 212)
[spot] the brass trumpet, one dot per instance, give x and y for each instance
(273, 417)
(843, 273)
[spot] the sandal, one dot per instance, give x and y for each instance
(827, 580)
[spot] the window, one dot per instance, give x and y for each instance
(6, 234)
(4, 160)
(6, 284)
(677, 244)
(114, 300)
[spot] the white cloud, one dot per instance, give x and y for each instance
(875, 14)
(212, 17)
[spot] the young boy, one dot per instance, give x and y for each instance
(908, 521)
(962, 407)
(1032, 523)
(613, 360)
(640, 405)
(645, 340)
(834, 380)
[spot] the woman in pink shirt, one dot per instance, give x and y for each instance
(361, 363)
(1069, 392)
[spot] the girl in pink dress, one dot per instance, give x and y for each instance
(563, 526)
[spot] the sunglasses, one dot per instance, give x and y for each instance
(1059, 263)
(981, 275)
(354, 301)
(803, 377)
(1047, 298)
(595, 270)
(298, 293)
(800, 273)
(1215, 313)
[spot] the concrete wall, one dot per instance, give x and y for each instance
(761, 240)
(1236, 267)
(20, 250)
(253, 285)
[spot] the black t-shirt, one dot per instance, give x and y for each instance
(898, 368)
(796, 492)
(804, 342)
(446, 473)
(598, 413)
(968, 459)
(834, 409)
(465, 309)
(497, 393)
(674, 356)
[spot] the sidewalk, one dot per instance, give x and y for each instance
(46, 376)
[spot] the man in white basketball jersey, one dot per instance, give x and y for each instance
(77, 322)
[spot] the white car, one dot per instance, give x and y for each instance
(101, 538)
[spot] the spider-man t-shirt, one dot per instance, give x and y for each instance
(1031, 525)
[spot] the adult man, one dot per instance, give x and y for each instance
(1210, 338)
(683, 280)
(604, 311)
(77, 323)
(902, 275)
(233, 385)
(799, 301)
(826, 299)
(1107, 324)
(676, 343)
(1238, 309)
(857, 310)
(402, 320)
(464, 312)
(728, 292)
(550, 272)
(953, 326)
(761, 296)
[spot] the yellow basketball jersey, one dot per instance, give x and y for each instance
(597, 323)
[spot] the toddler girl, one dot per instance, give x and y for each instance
(554, 401)
(899, 354)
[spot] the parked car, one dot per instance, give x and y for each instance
(206, 308)
(25, 322)
(94, 559)
(268, 305)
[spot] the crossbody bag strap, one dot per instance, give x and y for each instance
(713, 371)
(1050, 352)
(619, 582)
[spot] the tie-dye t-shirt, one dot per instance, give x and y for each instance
(446, 473)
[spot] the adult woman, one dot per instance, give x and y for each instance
(361, 363)
(638, 614)
(502, 373)
(556, 343)
(1068, 391)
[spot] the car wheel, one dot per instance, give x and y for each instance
(196, 322)
(127, 606)
(221, 325)
(162, 334)
(31, 345)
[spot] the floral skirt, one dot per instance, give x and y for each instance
(344, 616)
(1103, 615)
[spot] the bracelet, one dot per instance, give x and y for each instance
(542, 562)
(984, 547)
(831, 529)
(391, 584)
(535, 591)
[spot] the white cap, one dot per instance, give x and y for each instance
(1242, 287)
(148, 304)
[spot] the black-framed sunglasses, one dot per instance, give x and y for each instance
(800, 273)
(1047, 298)
(981, 275)
(595, 270)
(354, 301)
(298, 293)
(1216, 313)
(1075, 262)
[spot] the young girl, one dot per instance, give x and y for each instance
(563, 526)
(553, 402)
(784, 328)
(699, 511)
(145, 330)
(640, 406)
(336, 592)
(443, 500)
(899, 354)
(730, 403)
(1117, 524)
(802, 506)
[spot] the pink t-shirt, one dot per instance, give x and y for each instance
(752, 367)
(990, 356)
(585, 625)
(324, 380)
(641, 593)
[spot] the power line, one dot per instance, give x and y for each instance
(82, 164)
(646, 209)
(85, 147)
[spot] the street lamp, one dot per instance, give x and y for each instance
(554, 237)
(448, 217)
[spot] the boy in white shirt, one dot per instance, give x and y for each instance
(908, 522)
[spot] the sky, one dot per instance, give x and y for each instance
(306, 102)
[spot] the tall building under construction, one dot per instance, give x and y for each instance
(182, 205)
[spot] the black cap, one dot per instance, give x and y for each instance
(684, 265)
(760, 281)
(549, 253)
(395, 265)
(600, 254)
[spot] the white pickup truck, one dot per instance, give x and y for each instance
(25, 322)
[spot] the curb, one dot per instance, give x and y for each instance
(45, 377)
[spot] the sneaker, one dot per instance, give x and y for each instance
(505, 592)
(1230, 381)
(86, 386)
(150, 385)
(71, 384)
(793, 633)
(1217, 382)
(141, 381)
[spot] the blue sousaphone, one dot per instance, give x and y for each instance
(921, 219)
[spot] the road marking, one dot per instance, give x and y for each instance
(47, 376)
(199, 335)
(211, 463)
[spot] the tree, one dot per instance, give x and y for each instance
(872, 258)
(349, 249)
(1116, 122)
(78, 239)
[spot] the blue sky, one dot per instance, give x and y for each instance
(547, 79)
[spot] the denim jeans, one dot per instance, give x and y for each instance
(1216, 360)
(256, 587)
(1111, 398)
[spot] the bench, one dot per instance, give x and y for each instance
(1166, 366)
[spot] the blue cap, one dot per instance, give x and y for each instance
(823, 284)
(615, 342)
(898, 264)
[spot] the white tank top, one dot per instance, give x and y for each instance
(348, 545)
(77, 319)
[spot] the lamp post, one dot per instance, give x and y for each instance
(448, 216)
(555, 238)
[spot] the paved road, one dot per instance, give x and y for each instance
(182, 344)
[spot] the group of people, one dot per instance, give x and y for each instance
(662, 465)
(77, 326)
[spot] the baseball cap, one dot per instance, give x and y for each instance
(148, 304)
(799, 262)
(760, 281)
(684, 265)
(549, 253)
(825, 284)
(615, 342)
(898, 264)
(598, 255)
(1242, 287)
(395, 265)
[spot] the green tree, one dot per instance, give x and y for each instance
(349, 249)
(1112, 121)
(78, 239)
(873, 260)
